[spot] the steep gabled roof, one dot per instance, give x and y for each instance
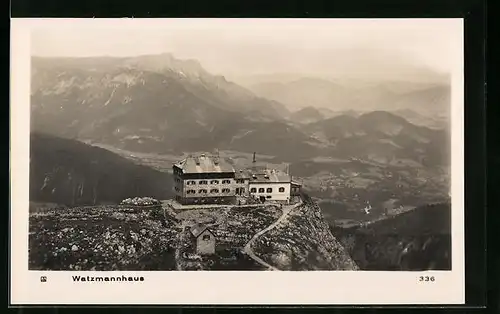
(204, 164)
(198, 229)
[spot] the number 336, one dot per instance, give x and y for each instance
(426, 278)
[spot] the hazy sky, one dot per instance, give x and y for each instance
(235, 47)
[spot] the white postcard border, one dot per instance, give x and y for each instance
(215, 287)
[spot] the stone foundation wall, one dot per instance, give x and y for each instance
(224, 200)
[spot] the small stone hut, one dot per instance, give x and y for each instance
(203, 239)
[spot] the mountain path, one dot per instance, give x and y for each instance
(248, 247)
(181, 239)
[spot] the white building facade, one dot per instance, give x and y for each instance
(270, 185)
(276, 191)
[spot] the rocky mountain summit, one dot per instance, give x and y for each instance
(132, 238)
(289, 246)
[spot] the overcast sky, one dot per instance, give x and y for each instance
(235, 47)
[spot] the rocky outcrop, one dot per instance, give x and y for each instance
(100, 238)
(119, 237)
(303, 241)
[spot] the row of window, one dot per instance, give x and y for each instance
(204, 191)
(238, 190)
(252, 190)
(204, 182)
(268, 190)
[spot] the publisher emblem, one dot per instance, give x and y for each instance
(43, 278)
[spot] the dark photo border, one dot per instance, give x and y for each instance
(474, 14)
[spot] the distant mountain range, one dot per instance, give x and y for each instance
(162, 104)
(314, 114)
(355, 65)
(425, 98)
(381, 136)
(431, 121)
(309, 114)
(99, 91)
(149, 100)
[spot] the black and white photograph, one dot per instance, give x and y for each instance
(242, 145)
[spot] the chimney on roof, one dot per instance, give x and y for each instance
(253, 161)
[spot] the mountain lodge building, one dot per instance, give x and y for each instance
(207, 179)
(203, 179)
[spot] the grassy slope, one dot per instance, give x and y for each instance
(70, 172)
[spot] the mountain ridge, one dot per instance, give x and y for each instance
(382, 134)
(190, 72)
(345, 94)
(148, 104)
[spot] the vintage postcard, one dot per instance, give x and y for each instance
(237, 161)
